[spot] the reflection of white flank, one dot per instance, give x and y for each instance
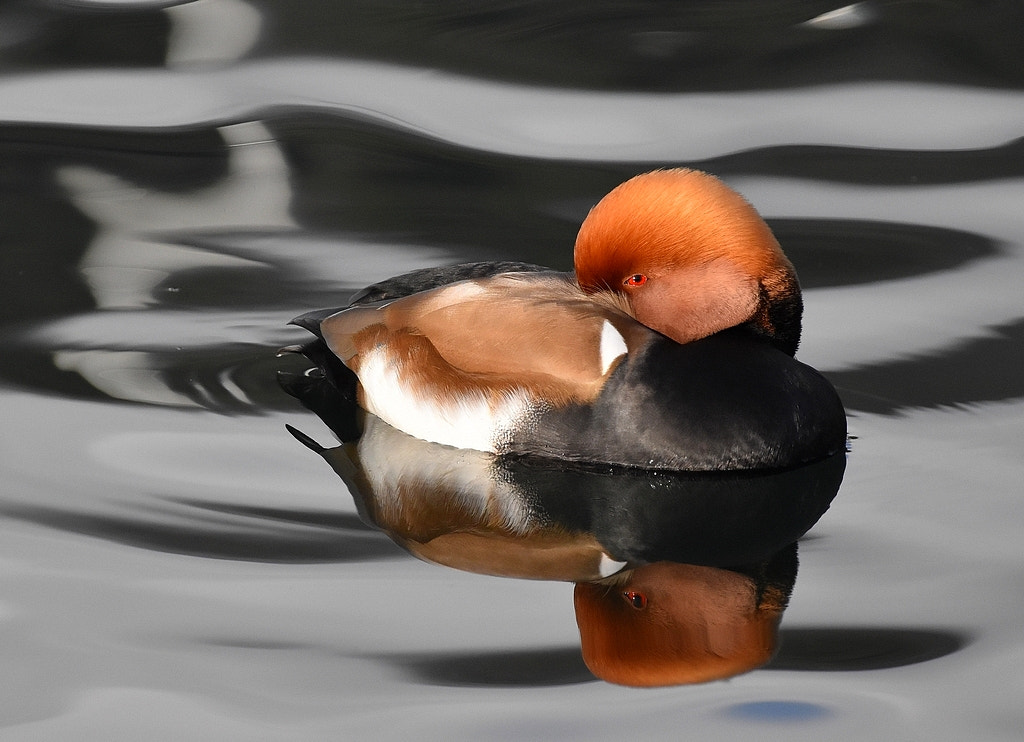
(127, 259)
(207, 31)
(398, 465)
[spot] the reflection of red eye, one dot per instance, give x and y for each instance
(637, 279)
(635, 599)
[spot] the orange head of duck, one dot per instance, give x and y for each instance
(687, 256)
(672, 624)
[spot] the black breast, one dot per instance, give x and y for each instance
(729, 401)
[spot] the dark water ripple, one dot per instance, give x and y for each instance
(855, 648)
(44, 235)
(833, 649)
(351, 173)
(351, 176)
(979, 370)
(609, 44)
(359, 178)
(68, 35)
(229, 379)
(244, 534)
(501, 668)
(864, 165)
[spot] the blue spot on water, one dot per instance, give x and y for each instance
(777, 711)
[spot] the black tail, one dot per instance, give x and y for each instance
(311, 320)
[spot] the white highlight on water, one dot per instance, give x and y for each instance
(134, 249)
(523, 120)
(211, 32)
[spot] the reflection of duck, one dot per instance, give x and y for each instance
(645, 617)
(532, 519)
(671, 350)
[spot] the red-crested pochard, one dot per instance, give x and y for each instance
(671, 347)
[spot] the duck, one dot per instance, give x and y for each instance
(671, 346)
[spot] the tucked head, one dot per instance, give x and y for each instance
(689, 257)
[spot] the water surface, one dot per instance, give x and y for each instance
(178, 181)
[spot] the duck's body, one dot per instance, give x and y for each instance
(511, 359)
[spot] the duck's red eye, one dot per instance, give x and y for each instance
(637, 279)
(635, 599)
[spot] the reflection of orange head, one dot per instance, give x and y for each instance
(669, 624)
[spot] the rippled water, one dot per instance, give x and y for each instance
(178, 181)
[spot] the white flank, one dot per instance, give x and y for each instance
(609, 566)
(469, 421)
(613, 345)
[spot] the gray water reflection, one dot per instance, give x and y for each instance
(178, 180)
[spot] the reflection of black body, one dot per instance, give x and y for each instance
(718, 520)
